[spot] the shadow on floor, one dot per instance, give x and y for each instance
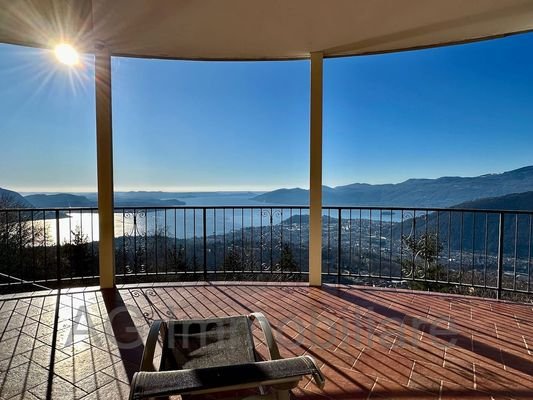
(129, 341)
(457, 339)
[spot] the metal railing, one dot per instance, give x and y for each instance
(246, 243)
(486, 252)
(31, 256)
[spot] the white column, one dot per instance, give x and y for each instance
(315, 173)
(104, 152)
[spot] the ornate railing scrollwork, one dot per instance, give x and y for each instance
(419, 253)
(135, 247)
(271, 238)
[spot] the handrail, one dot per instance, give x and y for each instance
(279, 206)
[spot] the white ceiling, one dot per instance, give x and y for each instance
(259, 29)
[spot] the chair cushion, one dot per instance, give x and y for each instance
(209, 343)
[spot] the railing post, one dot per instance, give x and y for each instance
(315, 172)
(413, 259)
(204, 225)
(5, 235)
(500, 255)
(58, 248)
(104, 153)
(20, 251)
(339, 252)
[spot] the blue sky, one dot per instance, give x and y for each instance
(460, 110)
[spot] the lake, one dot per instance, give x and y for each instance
(187, 223)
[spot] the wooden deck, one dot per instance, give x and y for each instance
(369, 342)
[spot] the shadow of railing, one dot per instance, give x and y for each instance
(439, 332)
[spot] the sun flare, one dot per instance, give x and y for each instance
(67, 54)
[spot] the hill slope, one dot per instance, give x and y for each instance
(11, 199)
(513, 201)
(467, 230)
(59, 200)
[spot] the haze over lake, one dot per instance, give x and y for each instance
(223, 215)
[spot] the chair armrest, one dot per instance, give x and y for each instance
(267, 333)
(147, 362)
(318, 376)
(217, 379)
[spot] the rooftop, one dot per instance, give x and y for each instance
(369, 342)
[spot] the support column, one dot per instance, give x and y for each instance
(315, 173)
(104, 153)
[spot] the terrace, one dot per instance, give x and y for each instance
(82, 285)
(370, 342)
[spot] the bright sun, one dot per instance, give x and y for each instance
(67, 54)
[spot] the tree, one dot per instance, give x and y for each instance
(232, 261)
(19, 233)
(420, 260)
(177, 258)
(80, 259)
(287, 262)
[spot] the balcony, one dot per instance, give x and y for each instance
(392, 302)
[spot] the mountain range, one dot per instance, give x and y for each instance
(440, 192)
(499, 191)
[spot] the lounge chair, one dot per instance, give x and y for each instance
(217, 355)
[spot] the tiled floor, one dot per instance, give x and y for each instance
(370, 343)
